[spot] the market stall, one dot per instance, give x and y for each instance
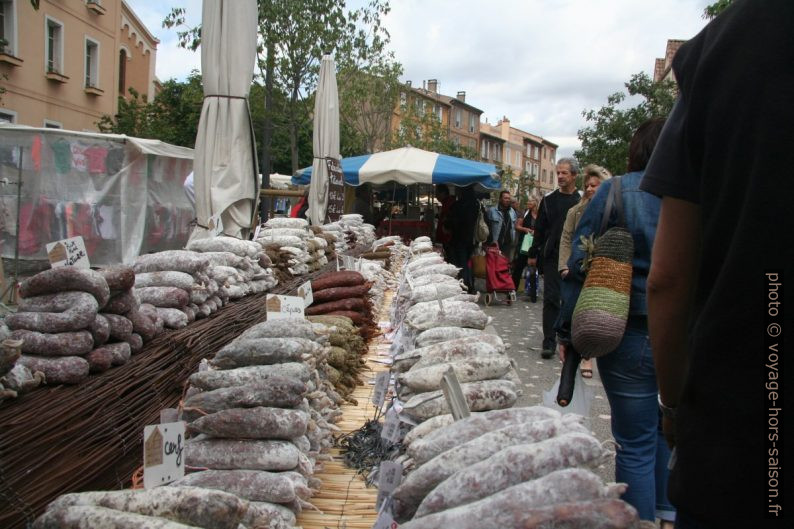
(123, 195)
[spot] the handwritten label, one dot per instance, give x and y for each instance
(385, 519)
(215, 225)
(283, 307)
(68, 252)
(336, 190)
(391, 427)
(163, 446)
(381, 386)
(305, 292)
(390, 474)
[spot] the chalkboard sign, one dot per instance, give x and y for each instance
(336, 190)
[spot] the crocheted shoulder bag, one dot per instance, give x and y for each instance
(601, 312)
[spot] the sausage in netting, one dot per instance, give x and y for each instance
(163, 297)
(56, 344)
(88, 517)
(276, 391)
(335, 293)
(349, 304)
(64, 279)
(178, 260)
(120, 327)
(343, 278)
(235, 454)
(73, 311)
(122, 303)
(511, 466)
(165, 279)
(253, 423)
(119, 278)
(243, 376)
(219, 510)
(142, 324)
(100, 330)
(57, 369)
(263, 351)
(253, 485)
(514, 506)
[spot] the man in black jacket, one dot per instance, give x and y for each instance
(460, 222)
(546, 245)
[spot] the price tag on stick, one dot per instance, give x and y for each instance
(163, 460)
(390, 474)
(391, 427)
(381, 386)
(305, 292)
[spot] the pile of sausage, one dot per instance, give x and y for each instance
(352, 232)
(511, 468)
(293, 247)
(345, 356)
(343, 293)
(73, 321)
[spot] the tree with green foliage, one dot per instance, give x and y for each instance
(716, 8)
(294, 34)
(171, 117)
(606, 140)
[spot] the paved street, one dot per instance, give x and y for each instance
(520, 325)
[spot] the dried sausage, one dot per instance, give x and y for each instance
(165, 279)
(75, 311)
(65, 279)
(345, 278)
(100, 330)
(120, 327)
(177, 260)
(119, 278)
(122, 303)
(164, 297)
(253, 423)
(232, 454)
(57, 370)
(59, 344)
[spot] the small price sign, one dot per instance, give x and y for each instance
(215, 225)
(163, 461)
(305, 292)
(336, 190)
(391, 427)
(390, 474)
(283, 307)
(68, 252)
(381, 386)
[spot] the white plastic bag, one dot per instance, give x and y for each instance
(581, 401)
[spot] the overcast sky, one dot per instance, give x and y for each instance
(538, 62)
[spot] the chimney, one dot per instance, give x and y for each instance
(424, 84)
(408, 83)
(462, 96)
(432, 85)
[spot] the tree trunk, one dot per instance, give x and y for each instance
(293, 126)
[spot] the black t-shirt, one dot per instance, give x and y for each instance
(728, 147)
(462, 218)
(548, 226)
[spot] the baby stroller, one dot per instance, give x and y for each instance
(497, 276)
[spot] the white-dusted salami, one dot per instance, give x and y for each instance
(264, 351)
(275, 391)
(65, 279)
(253, 485)
(178, 260)
(443, 334)
(122, 303)
(142, 325)
(119, 278)
(164, 279)
(172, 318)
(469, 370)
(65, 311)
(513, 506)
(92, 517)
(59, 344)
(120, 327)
(233, 454)
(201, 507)
(163, 297)
(480, 396)
(242, 376)
(253, 423)
(57, 369)
(511, 466)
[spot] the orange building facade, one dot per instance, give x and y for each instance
(65, 64)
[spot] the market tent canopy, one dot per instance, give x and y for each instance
(409, 165)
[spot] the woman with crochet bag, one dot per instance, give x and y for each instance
(627, 372)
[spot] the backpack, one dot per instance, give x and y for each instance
(481, 229)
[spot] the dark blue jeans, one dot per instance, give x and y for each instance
(629, 380)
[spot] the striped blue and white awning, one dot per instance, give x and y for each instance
(409, 165)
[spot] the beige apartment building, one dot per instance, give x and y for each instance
(521, 151)
(65, 64)
(460, 120)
